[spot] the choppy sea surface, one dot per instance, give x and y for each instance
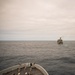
(56, 59)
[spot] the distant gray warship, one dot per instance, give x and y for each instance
(25, 69)
(60, 41)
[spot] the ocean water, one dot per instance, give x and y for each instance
(56, 59)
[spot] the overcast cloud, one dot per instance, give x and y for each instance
(37, 19)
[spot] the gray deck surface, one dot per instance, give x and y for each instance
(22, 71)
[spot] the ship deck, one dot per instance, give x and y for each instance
(25, 69)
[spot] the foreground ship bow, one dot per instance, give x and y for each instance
(25, 69)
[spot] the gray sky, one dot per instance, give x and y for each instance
(37, 19)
